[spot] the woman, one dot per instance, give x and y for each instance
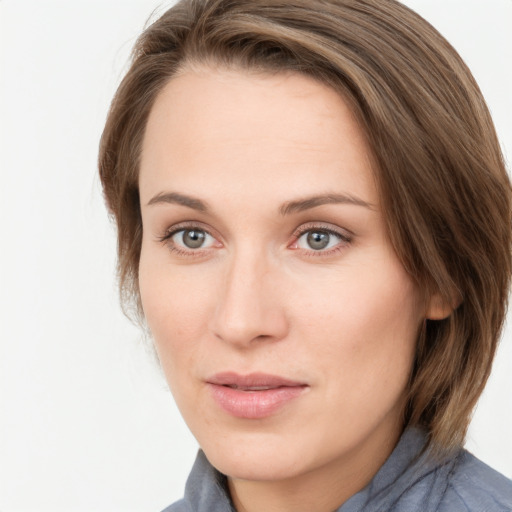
(314, 222)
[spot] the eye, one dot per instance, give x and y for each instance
(192, 239)
(189, 240)
(320, 240)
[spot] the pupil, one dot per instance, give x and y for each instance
(318, 240)
(193, 239)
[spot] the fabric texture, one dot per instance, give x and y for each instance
(409, 481)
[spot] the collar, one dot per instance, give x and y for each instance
(408, 466)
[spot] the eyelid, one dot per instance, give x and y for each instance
(182, 226)
(323, 226)
(345, 236)
(166, 238)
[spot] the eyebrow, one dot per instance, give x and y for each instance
(287, 208)
(181, 199)
(307, 203)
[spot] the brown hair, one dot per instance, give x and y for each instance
(444, 188)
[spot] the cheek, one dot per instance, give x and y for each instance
(363, 301)
(364, 322)
(389, 329)
(176, 314)
(176, 304)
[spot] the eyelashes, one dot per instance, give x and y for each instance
(320, 239)
(191, 239)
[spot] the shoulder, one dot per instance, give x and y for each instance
(179, 506)
(205, 490)
(475, 487)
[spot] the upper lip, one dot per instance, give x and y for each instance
(252, 381)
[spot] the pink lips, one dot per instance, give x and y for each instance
(253, 396)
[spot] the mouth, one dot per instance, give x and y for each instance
(250, 388)
(253, 396)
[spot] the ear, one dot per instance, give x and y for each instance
(439, 308)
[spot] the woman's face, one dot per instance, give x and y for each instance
(283, 320)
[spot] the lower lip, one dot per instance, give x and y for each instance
(254, 404)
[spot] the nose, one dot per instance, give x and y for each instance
(249, 306)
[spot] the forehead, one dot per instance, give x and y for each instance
(285, 128)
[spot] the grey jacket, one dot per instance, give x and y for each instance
(405, 483)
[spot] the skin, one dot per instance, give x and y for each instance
(255, 297)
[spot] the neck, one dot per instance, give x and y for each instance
(322, 489)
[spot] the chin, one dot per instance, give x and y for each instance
(256, 461)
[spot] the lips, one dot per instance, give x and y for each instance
(253, 396)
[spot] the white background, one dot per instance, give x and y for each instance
(86, 421)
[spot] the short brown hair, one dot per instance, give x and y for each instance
(444, 189)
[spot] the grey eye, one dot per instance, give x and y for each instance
(318, 240)
(191, 238)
